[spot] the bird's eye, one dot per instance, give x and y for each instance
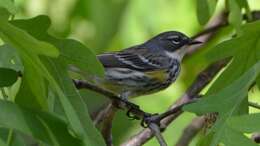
(176, 41)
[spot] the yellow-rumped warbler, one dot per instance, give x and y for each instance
(145, 68)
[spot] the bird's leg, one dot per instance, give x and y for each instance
(131, 106)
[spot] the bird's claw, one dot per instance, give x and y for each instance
(149, 118)
(131, 107)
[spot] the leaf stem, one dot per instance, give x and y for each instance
(10, 137)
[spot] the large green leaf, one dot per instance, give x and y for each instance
(245, 52)
(7, 77)
(226, 102)
(205, 9)
(42, 126)
(55, 72)
(20, 38)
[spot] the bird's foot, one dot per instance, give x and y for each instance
(150, 118)
(132, 107)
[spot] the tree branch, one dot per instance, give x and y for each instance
(191, 131)
(254, 105)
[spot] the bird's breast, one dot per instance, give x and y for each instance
(173, 71)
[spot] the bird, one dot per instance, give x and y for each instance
(146, 68)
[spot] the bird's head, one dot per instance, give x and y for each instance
(174, 43)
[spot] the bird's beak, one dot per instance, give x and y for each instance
(194, 42)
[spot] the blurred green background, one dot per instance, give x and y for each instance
(107, 25)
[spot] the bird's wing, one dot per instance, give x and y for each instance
(134, 58)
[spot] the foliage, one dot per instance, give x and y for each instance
(39, 101)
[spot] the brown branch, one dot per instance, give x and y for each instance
(149, 119)
(191, 131)
(157, 132)
(206, 34)
(107, 126)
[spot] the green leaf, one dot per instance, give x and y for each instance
(55, 72)
(235, 15)
(18, 37)
(9, 58)
(33, 92)
(205, 9)
(42, 126)
(245, 123)
(234, 138)
(8, 5)
(14, 138)
(74, 52)
(2, 143)
(245, 54)
(4, 14)
(7, 77)
(230, 98)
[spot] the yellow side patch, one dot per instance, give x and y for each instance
(159, 75)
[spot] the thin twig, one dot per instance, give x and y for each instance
(191, 131)
(253, 104)
(156, 131)
(117, 100)
(107, 128)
